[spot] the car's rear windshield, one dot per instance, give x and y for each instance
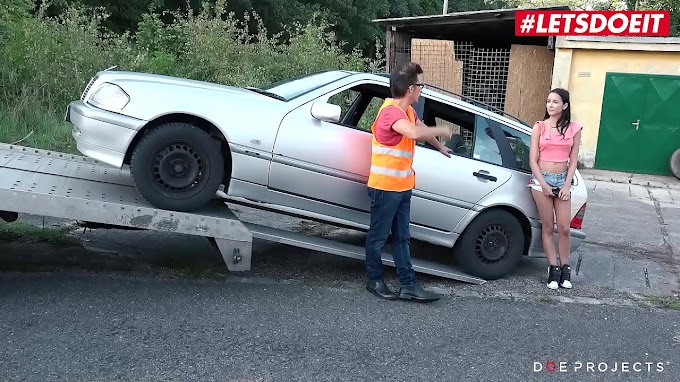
(294, 87)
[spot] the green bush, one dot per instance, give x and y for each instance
(45, 62)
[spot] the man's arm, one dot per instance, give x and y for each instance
(431, 140)
(420, 131)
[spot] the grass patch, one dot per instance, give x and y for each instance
(27, 233)
(672, 303)
(546, 299)
(35, 125)
(184, 270)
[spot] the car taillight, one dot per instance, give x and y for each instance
(577, 221)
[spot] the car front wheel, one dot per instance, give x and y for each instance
(491, 246)
(177, 166)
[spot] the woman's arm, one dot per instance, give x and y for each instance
(533, 154)
(573, 159)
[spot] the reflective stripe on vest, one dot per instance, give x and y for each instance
(391, 166)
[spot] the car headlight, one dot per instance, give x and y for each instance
(110, 96)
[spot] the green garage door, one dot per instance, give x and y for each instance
(639, 123)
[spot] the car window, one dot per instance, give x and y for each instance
(472, 137)
(359, 104)
(520, 143)
(294, 87)
(485, 147)
(344, 99)
(370, 114)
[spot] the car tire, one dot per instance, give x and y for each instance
(491, 246)
(177, 166)
(674, 163)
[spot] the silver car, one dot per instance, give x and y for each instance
(303, 147)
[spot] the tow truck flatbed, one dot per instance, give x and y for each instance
(40, 182)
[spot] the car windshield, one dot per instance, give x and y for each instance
(297, 86)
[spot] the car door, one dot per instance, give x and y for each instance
(447, 188)
(327, 163)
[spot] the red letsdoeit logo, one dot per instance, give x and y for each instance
(592, 23)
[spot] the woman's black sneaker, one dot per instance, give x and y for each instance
(565, 277)
(553, 276)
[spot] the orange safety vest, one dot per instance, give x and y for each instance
(392, 166)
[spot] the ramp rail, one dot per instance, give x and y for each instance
(41, 182)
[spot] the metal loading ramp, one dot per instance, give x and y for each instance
(67, 186)
(333, 247)
(41, 182)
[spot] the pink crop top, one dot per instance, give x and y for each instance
(554, 147)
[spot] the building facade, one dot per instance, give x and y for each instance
(626, 93)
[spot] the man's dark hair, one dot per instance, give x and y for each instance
(403, 77)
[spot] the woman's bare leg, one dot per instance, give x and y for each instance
(562, 214)
(545, 210)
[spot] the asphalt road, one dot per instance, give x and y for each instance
(632, 249)
(142, 305)
(106, 327)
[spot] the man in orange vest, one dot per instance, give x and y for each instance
(391, 179)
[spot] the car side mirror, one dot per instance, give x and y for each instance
(326, 111)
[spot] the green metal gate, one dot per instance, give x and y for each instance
(639, 123)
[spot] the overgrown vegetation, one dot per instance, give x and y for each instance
(45, 61)
(49, 49)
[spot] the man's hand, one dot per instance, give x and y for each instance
(445, 150)
(441, 148)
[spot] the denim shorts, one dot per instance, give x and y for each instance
(554, 180)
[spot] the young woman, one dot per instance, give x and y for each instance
(554, 152)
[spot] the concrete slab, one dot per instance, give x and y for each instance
(656, 181)
(622, 222)
(624, 271)
(639, 192)
(661, 194)
(671, 216)
(675, 196)
(612, 190)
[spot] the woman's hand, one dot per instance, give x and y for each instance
(565, 192)
(547, 190)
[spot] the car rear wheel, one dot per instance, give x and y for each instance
(491, 246)
(177, 166)
(675, 163)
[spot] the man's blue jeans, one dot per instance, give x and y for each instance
(390, 210)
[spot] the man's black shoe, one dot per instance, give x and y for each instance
(417, 293)
(380, 289)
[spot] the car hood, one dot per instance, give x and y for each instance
(121, 77)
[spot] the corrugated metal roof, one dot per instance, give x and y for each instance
(458, 17)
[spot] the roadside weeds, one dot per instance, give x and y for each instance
(25, 233)
(662, 302)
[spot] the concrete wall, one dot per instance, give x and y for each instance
(581, 67)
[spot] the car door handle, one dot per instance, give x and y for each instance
(485, 175)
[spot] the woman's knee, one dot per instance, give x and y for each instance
(547, 229)
(563, 229)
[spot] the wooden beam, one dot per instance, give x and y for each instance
(398, 46)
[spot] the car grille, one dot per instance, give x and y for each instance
(87, 88)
